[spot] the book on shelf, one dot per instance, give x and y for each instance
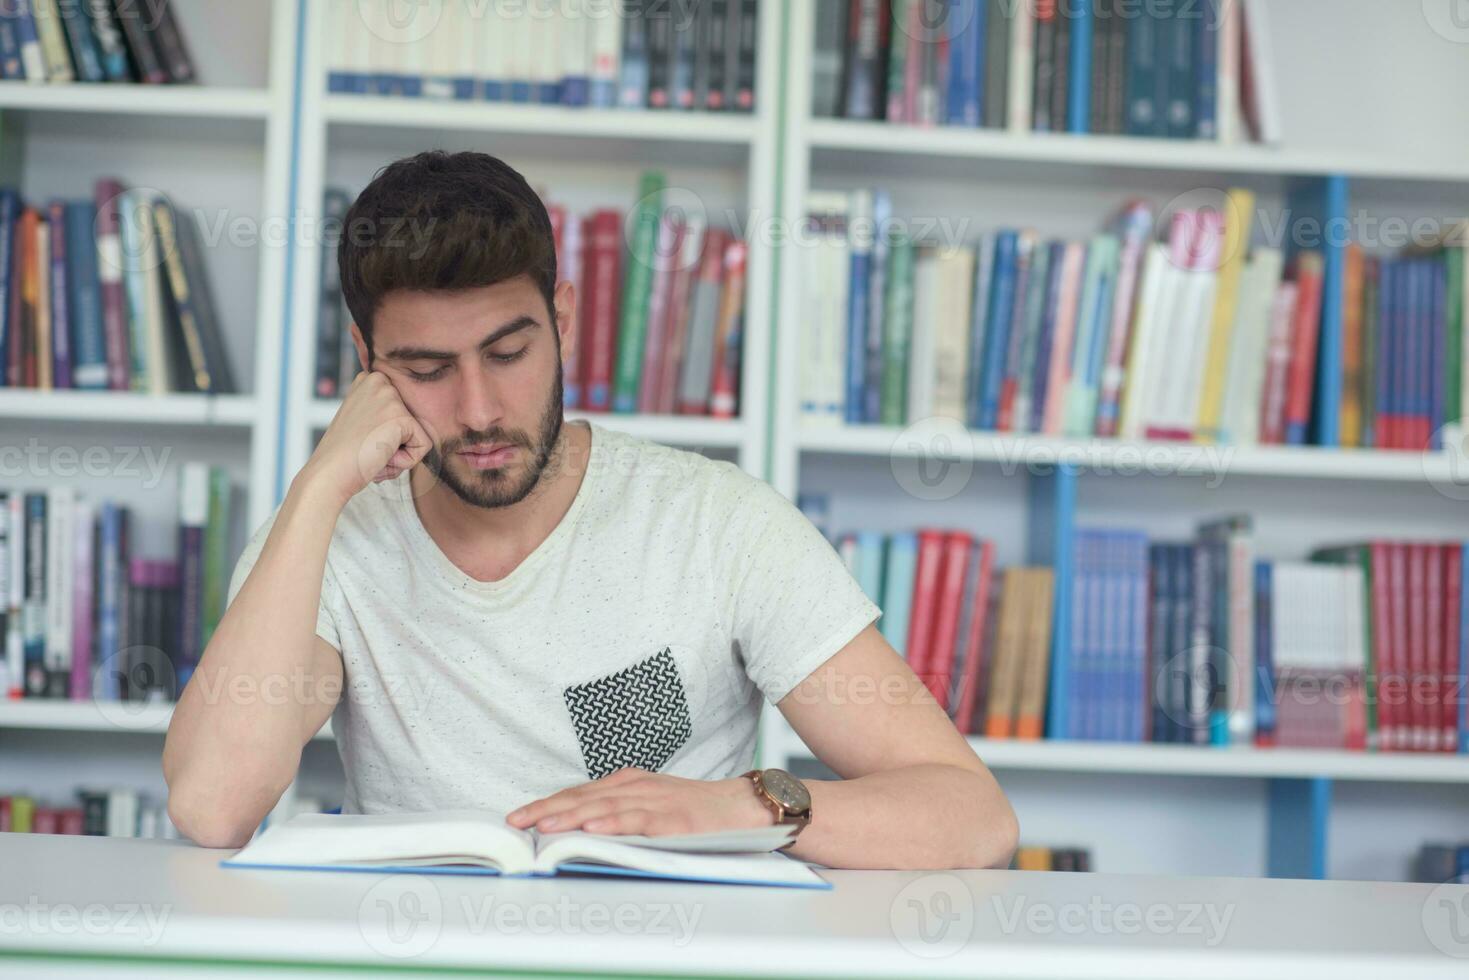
(571, 54)
(1362, 647)
(61, 41)
(1030, 857)
(1162, 326)
(1439, 862)
(95, 812)
(481, 842)
(659, 314)
(107, 294)
(1110, 67)
(86, 618)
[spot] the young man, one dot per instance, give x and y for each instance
(518, 613)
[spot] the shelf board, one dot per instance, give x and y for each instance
(686, 431)
(1247, 762)
(378, 123)
(128, 408)
(869, 139)
(1042, 453)
(165, 101)
(94, 716)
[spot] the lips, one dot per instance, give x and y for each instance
(489, 456)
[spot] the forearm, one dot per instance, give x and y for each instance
(922, 816)
(236, 736)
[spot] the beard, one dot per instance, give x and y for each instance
(503, 486)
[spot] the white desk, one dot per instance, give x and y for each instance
(72, 906)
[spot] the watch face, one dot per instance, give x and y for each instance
(788, 791)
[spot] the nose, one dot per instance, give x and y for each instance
(478, 405)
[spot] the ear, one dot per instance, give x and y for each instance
(361, 345)
(566, 317)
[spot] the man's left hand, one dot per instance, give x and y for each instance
(635, 801)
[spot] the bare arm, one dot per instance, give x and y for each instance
(913, 794)
(266, 682)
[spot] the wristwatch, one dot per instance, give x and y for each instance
(785, 795)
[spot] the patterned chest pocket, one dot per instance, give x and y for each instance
(638, 716)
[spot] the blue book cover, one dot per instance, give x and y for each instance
(979, 305)
(858, 264)
(1041, 371)
(882, 210)
(1140, 683)
(9, 45)
(1144, 114)
(997, 331)
(111, 568)
(1382, 387)
(62, 322)
(548, 93)
(1329, 360)
(82, 47)
(897, 589)
(1436, 345)
(84, 296)
(1079, 72)
(966, 63)
(1206, 72)
(1264, 653)
(1078, 659)
(632, 89)
(31, 61)
(9, 216)
(1159, 585)
(1176, 72)
(1177, 665)
(1051, 535)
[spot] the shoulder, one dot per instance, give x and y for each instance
(651, 471)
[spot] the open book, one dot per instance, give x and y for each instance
(480, 842)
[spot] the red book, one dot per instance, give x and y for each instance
(1304, 333)
(1417, 646)
(45, 820)
(1398, 644)
(1277, 364)
(4, 814)
(723, 390)
(109, 271)
(1433, 661)
(1450, 694)
(925, 600)
(1381, 658)
(606, 288)
(680, 293)
(971, 651)
(71, 821)
(942, 645)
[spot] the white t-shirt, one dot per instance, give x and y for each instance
(643, 631)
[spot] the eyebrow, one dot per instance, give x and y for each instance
(522, 322)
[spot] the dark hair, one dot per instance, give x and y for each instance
(442, 220)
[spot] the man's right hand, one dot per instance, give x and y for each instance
(372, 437)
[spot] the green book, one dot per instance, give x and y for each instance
(216, 534)
(1453, 333)
(897, 61)
(898, 330)
(637, 285)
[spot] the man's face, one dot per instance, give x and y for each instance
(481, 369)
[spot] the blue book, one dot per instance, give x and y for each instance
(632, 90)
(1079, 77)
(966, 63)
(9, 216)
(1386, 280)
(882, 210)
(1041, 371)
(1206, 72)
(82, 46)
(9, 45)
(1161, 584)
(1176, 72)
(480, 842)
(997, 331)
(111, 571)
(1264, 653)
(1144, 115)
(869, 564)
(859, 263)
(1436, 344)
(897, 589)
(32, 63)
(84, 297)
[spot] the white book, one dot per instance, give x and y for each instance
(545, 35)
(60, 502)
(1022, 67)
(1227, 119)
(438, 55)
(951, 341)
(493, 67)
(1260, 63)
(1149, 330)
(573, 46)
(1240, 415)
(604, 44)
(338, 36)
(519, 39)
(923, 340)
(122, 813)
(32, 61)
(1186, 374)
(481, 842)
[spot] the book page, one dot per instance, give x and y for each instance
(478, 837)
(743, 841)
(568, 850)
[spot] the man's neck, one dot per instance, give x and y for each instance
(495, 539)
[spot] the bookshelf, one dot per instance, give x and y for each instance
(221, 149)
(1152, 807)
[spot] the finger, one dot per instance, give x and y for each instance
(387, 473)
(630, 821)
(572, 818)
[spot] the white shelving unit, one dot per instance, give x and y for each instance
(1151, 808)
